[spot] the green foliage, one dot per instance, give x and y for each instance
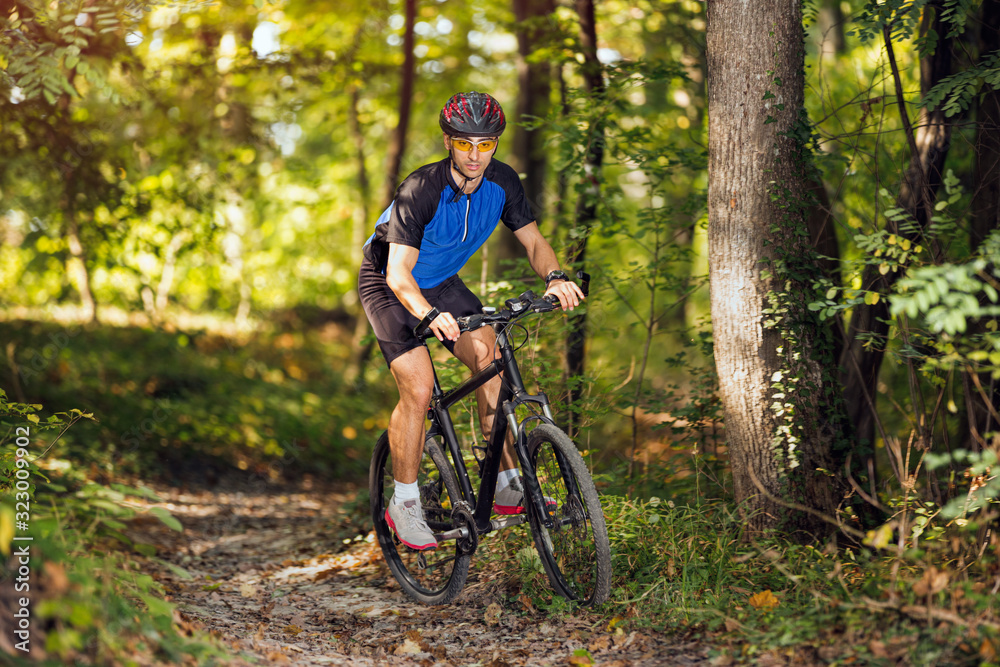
(957, 92)
(984, 482)
(90, 599)
(689, 568)
(166, 399)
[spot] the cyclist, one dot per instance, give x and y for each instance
(441, 215)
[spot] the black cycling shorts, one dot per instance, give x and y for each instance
(393, 324)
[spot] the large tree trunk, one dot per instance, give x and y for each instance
(586, 208)
(751, 47)
(986, 192)
(407, 75)
(985, 216)
(534, 88)
(860, 361)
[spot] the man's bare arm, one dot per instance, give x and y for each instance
(543, 261)
(399, 277)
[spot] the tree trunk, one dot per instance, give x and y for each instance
(407, 75)
(757, 176)
(985, 213)
(586, 207)
(169, 269)
(534, 88)
(76, 264)
(860, 361)
(986, 177)
(830, 20)
(362, 220)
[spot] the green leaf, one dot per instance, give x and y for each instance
(176, 569)
(167, 518)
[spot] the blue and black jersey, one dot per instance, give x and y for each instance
(429, 213)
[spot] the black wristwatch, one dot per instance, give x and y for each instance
(555, 275)
(426, 322)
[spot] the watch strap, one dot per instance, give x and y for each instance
(426, 322)
(555, 275)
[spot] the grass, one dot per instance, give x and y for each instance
(691, 571)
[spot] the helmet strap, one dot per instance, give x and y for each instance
(465, 179)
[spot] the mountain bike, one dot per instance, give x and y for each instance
(562, 505)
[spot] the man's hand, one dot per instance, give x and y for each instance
(445, 326)
(567, 292)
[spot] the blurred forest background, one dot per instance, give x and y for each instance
(185, 189)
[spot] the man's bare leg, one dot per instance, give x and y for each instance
(415, 380)
(476, 350)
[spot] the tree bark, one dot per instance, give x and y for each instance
(860, 361)
(534, 89)
(407, 76)
(986, 176)
(985, 213)
(586, 207)
(755, 49)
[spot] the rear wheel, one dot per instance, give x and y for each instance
(575, 551)
(433, 576)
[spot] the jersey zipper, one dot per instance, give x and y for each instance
(468, 205)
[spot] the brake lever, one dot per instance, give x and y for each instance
(584, 279)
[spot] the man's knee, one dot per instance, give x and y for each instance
(414, 377)
(480, 348)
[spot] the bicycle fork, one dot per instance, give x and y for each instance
(531, 487)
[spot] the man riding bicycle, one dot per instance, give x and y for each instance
(441, 215)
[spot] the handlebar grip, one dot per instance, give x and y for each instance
(584, 279)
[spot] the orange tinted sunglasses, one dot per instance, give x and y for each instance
(482, 146)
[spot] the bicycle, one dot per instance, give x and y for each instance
(562, 508)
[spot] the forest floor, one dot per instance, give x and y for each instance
(275, 579)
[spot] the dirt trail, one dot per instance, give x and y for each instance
(273, 577)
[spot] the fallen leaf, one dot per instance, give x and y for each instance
(988, 651)
(765, 601)
(581, 657)
(408, 647)
(492, 615)
(274, 656)
(292, 630)
(248, 590)
(526, 603)
(731, 625)
(602, 643)
(56, 581)
(417, 638)
(933, 581)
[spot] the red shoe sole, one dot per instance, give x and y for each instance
(507, 510)
(426, 547)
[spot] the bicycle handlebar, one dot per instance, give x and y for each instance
(526, 302)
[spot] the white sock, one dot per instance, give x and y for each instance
(403, 492)
(504, 478)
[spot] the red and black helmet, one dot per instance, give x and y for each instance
(472, 114)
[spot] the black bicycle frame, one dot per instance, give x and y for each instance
(512, 395)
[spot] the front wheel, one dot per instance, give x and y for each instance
(575, 551)
(434, 576)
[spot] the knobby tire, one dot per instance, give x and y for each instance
(434, 576)
(575, 553)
